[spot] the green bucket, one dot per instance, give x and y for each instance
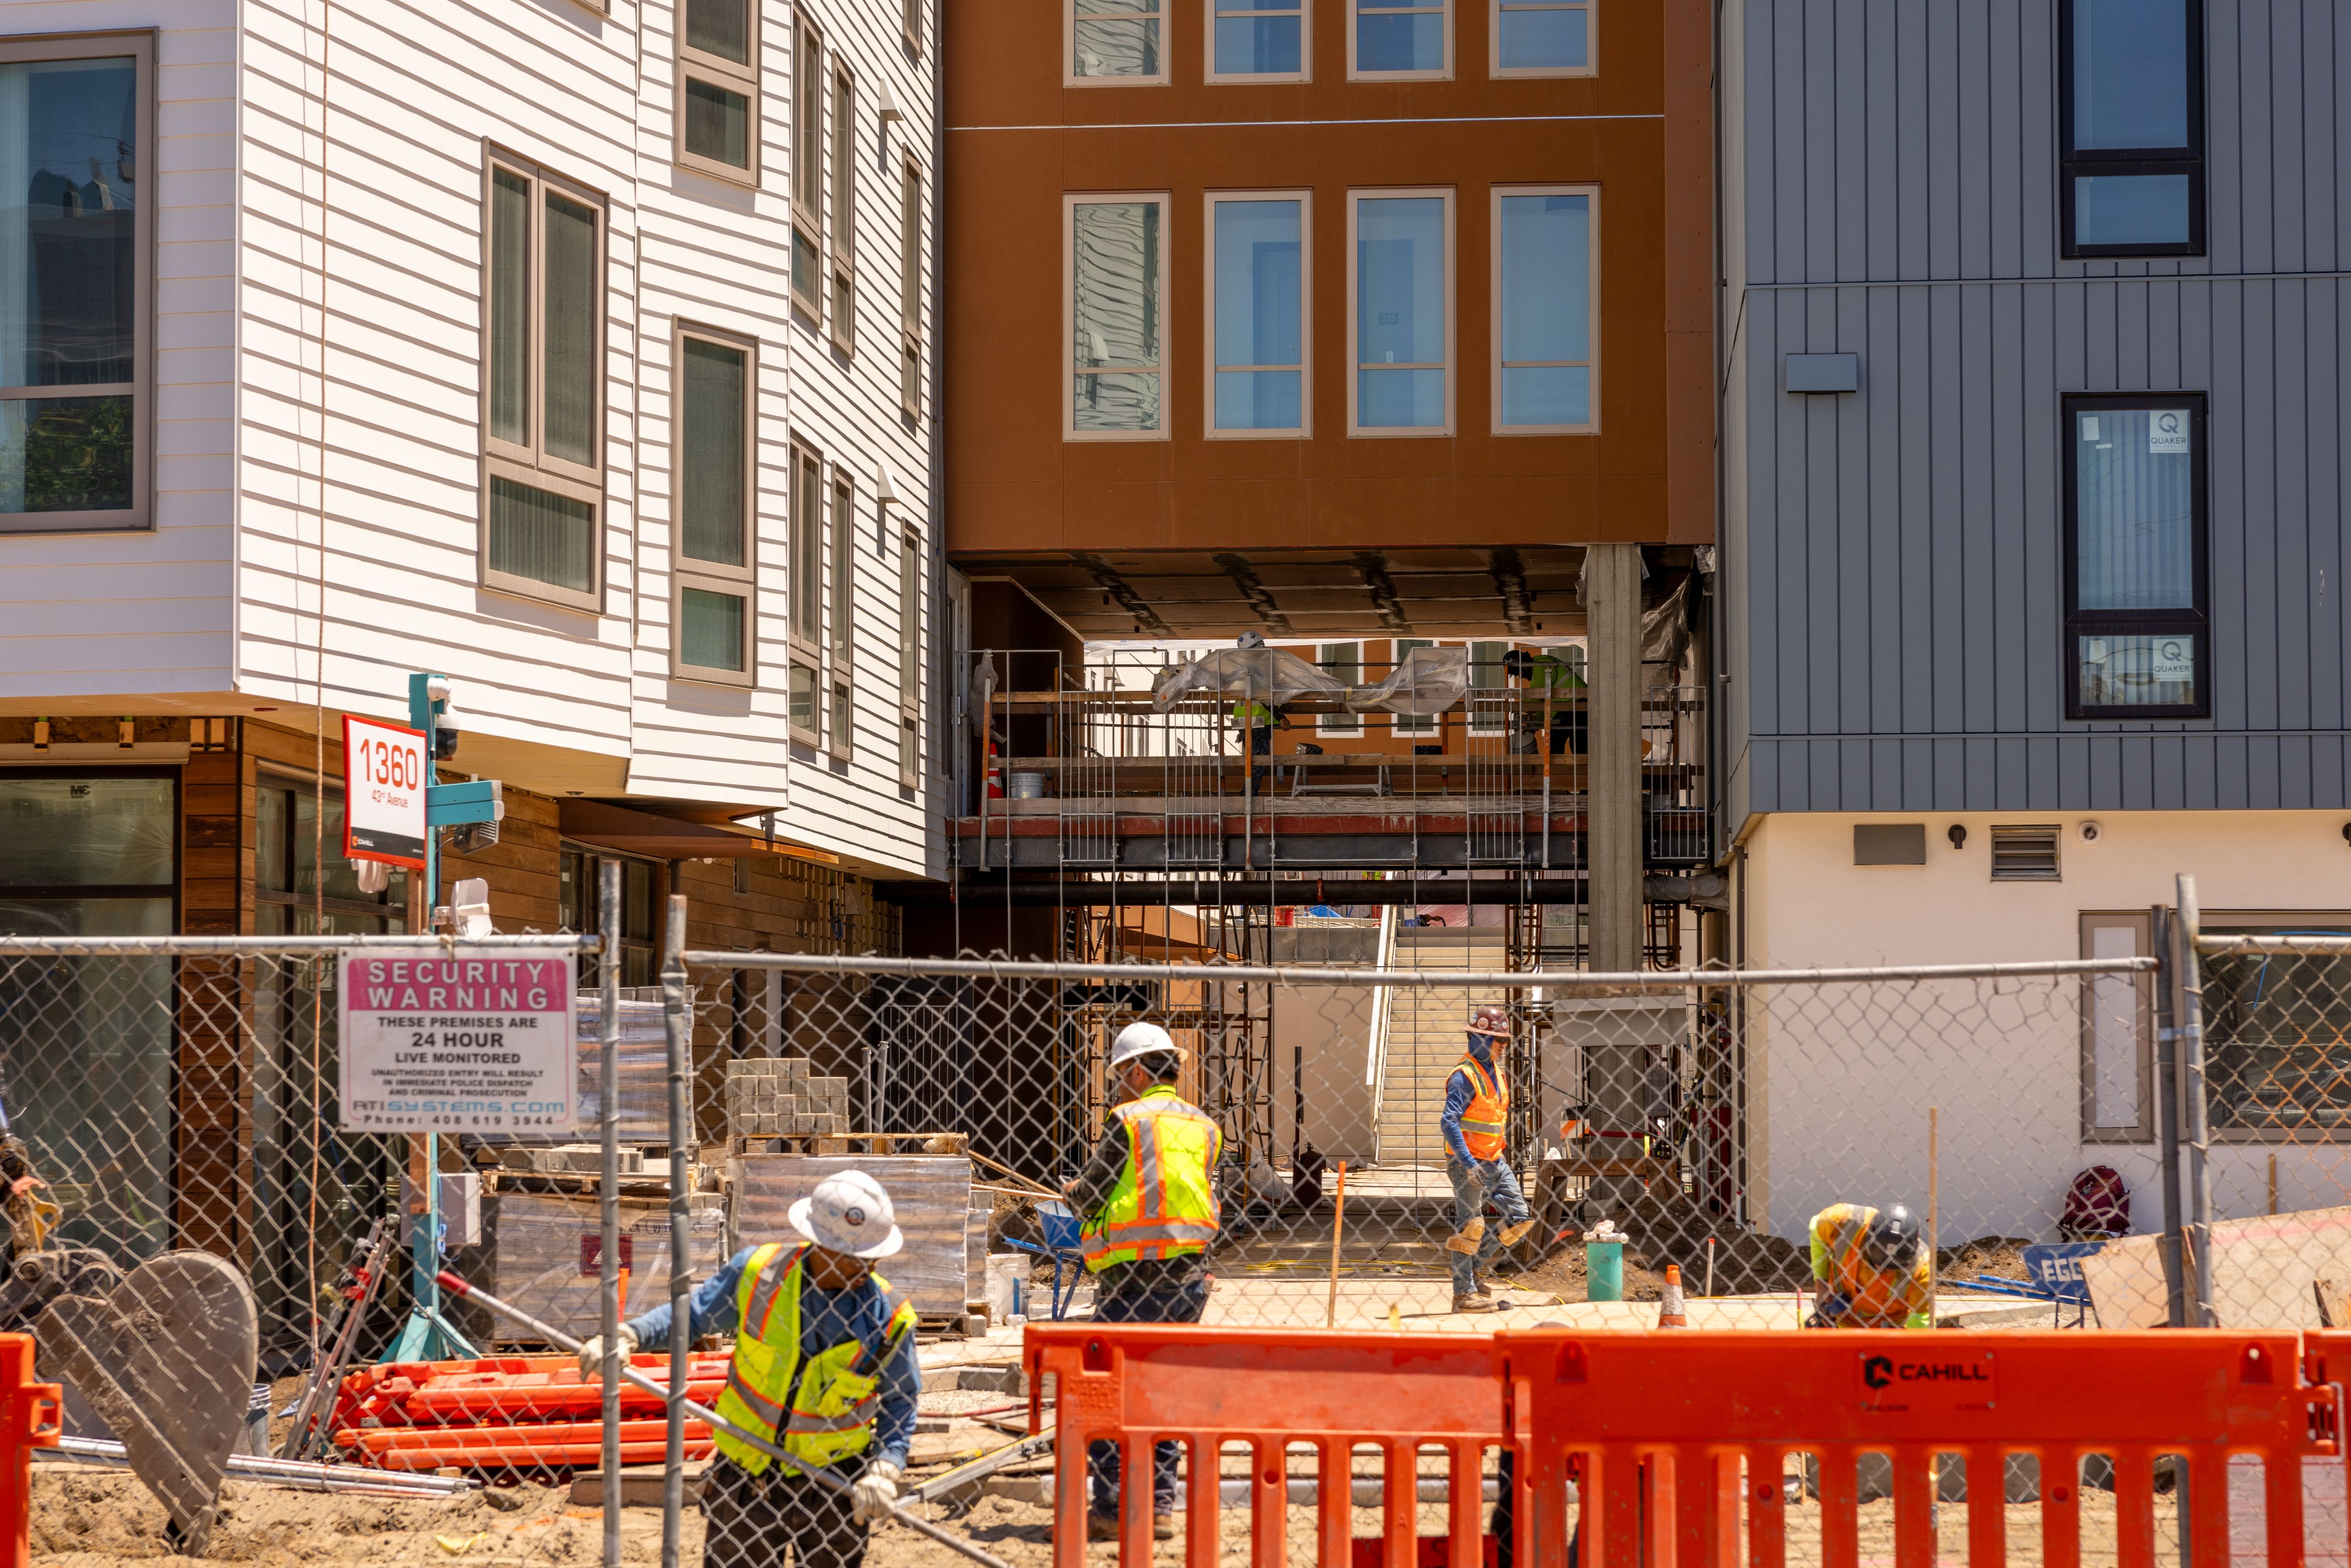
(1603, 1270)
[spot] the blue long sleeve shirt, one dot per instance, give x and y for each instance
(1458, 1093)
(827, 1318)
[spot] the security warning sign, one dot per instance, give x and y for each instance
(1933, 1381)
(453, 1039)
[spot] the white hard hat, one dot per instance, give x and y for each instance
(1249, 640)
(1140, 1039)
(849, 1213)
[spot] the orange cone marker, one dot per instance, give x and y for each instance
(1670, 1312)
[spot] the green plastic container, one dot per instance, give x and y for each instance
(1603, 1270)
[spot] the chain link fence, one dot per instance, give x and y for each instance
(172, 1118)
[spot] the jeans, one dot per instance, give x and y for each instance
(748, 1520)
(1475, 1186)
(1182, 1305)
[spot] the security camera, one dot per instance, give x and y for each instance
(444, 729)
(2089, 831)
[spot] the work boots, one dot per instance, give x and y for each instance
(1105, 1527)
(1466, 1240)
(1473, 1303)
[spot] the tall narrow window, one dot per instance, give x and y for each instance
(910, 659)
(1543, 310)
(1401, 38)
(1258, 40)
(543, 337)
(718, 88)
(1541, 37)
(1117, 248)
(845, 209)
(807, 595)
(1115, 43)
(1258, 268)
(715, 563)
(2130, 114)
(1489, 697)
(910, 24)
(2135, 572)
(1410, 723)
(842, 723)
(1400, 315)
(808, 170)
(1342, 661)
(76, 282)
(910, 290)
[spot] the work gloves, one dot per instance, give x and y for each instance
(591, 1354)
(874, 1493)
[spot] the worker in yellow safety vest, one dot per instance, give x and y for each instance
(1259, 718)
(1147, 1198)
(1476, 1123)
(824, 1365)
(1869, 1270)
(1556, 684)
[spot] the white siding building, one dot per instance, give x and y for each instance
(579, 353)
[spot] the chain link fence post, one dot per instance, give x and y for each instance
(677, 1018)
(2196, 1112)
(608, 1189)
(2163, 926)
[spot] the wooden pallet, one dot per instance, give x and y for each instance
(851, 1144)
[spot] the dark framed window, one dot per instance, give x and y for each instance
(580, 877)
(288, 897)
(2130, 127)
(2137, 559)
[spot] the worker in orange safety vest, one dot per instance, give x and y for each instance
(1476, 1125)
(1870, 1270)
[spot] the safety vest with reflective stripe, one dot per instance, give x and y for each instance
(826, 1414)
(1252, 715)
(1165, 1204)
(1555, 674)
(1488, 1116)
(1876, 1298)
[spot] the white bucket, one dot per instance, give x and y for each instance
(1028, 786)
(1007, 1277)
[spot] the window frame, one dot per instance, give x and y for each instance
(842, 208)
(713, 577)
(1209, 12)
(805, 645)
(2074, 163)
(140, 515)
(1357, 429)
(1070, 201)
(2077, 622)
(1412, 724)
(1445, 9)
(1069, 78)
(1346, 721)
(910, 25)
(1304, 429)
(910, 285)
(719, 71)
(528, 463)
(1500, 72)
(811, 102)
(1494, 292)
(910, 659)
(2141, 926)
(841, 613)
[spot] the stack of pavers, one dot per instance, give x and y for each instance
(778, 1097)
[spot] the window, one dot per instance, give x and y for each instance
(544, 332)
(578, 878)
(1258, 40)
(1400, 316)
(910, 24)
(910, 659)
(1342, 661)
(1543, 297)
(715, 564)
(718, 88)
(74, 285)
(2274, 1025)
(2117, 1034)
(845, 209)
(1410, 723)
(2025, 852)
(844, 611)
(1115, 43)
(1258, 333)
(1117, 247)
(1490, 699)
(1541, 38)
(2135, 558)
(807, 593)
(808, 171)
(2130, 127)
(910, 290)
(1401, 38)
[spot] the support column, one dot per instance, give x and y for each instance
(1612, 608)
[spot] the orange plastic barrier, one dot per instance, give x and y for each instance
(31, 1416)
(1671, 1433)
(1136, 1384)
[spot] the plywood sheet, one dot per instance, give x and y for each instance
(2263, 1270)
(930, 1193)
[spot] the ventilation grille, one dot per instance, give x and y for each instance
(2026, 853)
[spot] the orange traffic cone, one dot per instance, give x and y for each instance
(1670, 1313)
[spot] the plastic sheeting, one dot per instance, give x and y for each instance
(1428, 681)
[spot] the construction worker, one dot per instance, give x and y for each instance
(1259, 718)
(824, 1355)
(1869, 1270)
(1475, 1124)
(1559, 684)
(1147, 1198)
